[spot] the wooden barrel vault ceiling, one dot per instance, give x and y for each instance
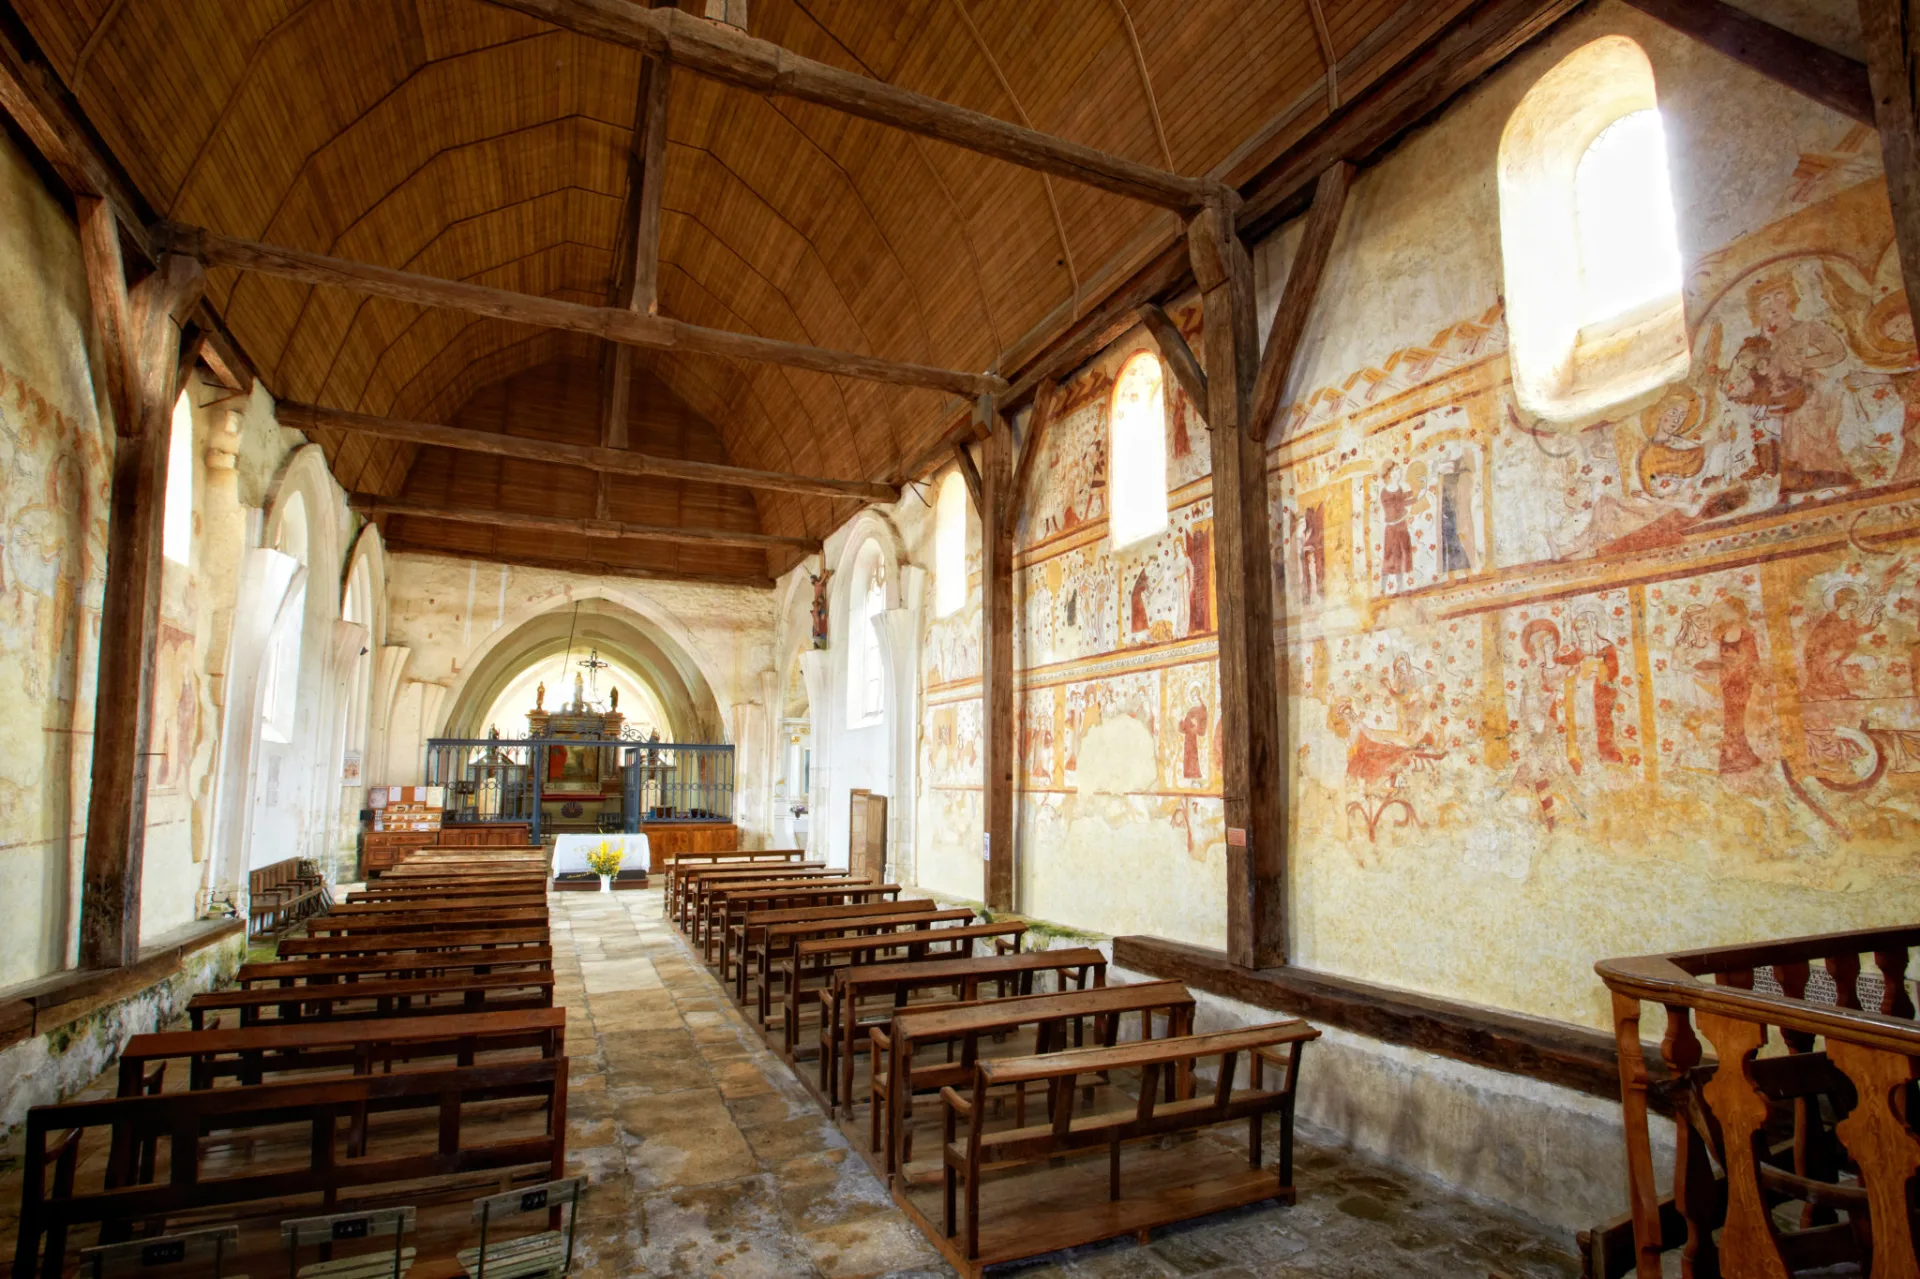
(458, 139)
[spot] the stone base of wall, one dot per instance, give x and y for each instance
(62, 1031)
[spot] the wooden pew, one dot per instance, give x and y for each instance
(385, 943)
(377, 892)
(464, 919)
(184, 1120)
(894, 1079)
(454, 900)
(282, 894)
(391, 997)
(841, 1036)
(1023, 1234)
(250, 1052)
(746, 951)
(820, 957)
(678, 865)
(420, 963)
(697, 881)
(727, 905)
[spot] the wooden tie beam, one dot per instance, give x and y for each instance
(375, 504)
(654, 332)
(611, 461)
(1892, 30)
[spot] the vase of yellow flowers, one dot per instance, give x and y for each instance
(604, 861)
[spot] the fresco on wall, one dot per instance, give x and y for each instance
(1693, 626)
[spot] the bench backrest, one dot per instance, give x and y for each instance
(273, 876)
(377, 943)
(525, 956)
(311, 1232)
(852, 912)
(904, 936)
(183, 1119)
(548, 1199)
(1143, 1053)
(189, 1253)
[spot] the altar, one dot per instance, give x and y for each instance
(570, 867)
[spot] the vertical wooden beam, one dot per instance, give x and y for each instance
(137, 337)
(651, 152)
(1250, 728)
(997, 513)
(1296, 300)
(1892, 31)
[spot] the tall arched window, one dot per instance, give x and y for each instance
(1588, 234)
(1137, 466)
(176, 528)
(866, 675)
(950, 546)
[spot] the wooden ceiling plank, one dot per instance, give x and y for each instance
(735, 58)
(304, 417)
(651, 331)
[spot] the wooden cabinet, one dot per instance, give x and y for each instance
(486, 835)
(385, 848)
(671, 839)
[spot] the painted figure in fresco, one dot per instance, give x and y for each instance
(821, 629)
(1539, 741)
(1456, 513)
(1594, 655)
(1181, 569)
(1396, 544)
(1736, 663)
(1313, 553)
(1137, 620)
(1798, 355)
(1406, 690)
(1193, 726)
(1378, 768)
(1199, 548)
(1832, 640)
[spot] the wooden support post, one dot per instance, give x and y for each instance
(970, 476)
(137, 338)
(651, 155)
(1178, 355)
(1892, 30)
(997, 513)
(1831, 79)
(375, 504)
(1250, 727)
(1039, 418)
(1296, 300)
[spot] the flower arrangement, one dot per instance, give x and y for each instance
(605, 858)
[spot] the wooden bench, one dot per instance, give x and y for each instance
(1027, 1234)
(454, 900)
(424, 963)
(729, 905)
(377, 893)
(465, 919)
(698, 883)
(841, 1036)
(894, 1079)
(184, 1120)
(391, 997)
(677, 867)
(249, 1053)
(385, 943)
(282, 894)
(752, 941)
(821, 957)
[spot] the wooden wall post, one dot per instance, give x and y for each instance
(997, 514)
(1250, 729)
(137, 339)
(1892, 31)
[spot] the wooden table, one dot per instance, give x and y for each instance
(251, 1051)
(921, 1028)
(840, 1002)
(391, 996)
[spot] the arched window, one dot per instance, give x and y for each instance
(950, 546)
(176, 528)
(866, 674)
(1137, 471)
(1588, 234)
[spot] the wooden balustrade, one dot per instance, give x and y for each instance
(1794, 1065)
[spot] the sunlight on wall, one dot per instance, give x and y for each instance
(950, 546)
(176, 530)
(1138, 504)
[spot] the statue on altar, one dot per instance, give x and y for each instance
(540, 696)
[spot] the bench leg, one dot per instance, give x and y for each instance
(1113, 1169)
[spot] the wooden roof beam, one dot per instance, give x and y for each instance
(578, 567)
(653, 332)
(1890, 28)
(375, 504)
(1831, 79)
(606, 461)
(723, 53)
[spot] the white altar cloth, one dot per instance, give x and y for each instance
(570, 852)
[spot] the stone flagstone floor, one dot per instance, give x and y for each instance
(709, 1158)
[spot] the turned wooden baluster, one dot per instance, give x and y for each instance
(1845, 971)
(1811, 1157)
(1694, 1193)
(1882, 1144)
(1748, 1246)
(1643, 1196)
(1894, 1000)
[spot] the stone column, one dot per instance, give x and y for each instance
(899, 630)
(816, 667)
